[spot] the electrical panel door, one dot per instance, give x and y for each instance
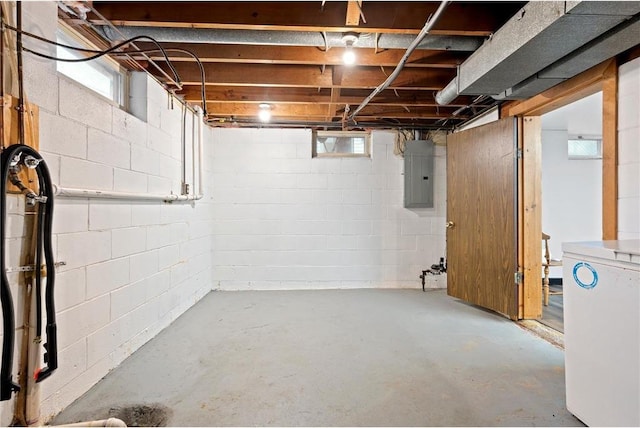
(418, 174)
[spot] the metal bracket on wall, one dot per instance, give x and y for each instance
(31, 268)
(519, 278)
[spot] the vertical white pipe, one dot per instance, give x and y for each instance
(193, 154)
(201, 126)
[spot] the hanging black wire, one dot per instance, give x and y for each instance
(185, 51)
(113, 51)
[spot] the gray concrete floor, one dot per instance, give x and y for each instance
(339, 358)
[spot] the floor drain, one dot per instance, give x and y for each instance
(145, 415)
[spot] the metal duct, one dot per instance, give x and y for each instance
(543, 31)
(607, 46)
(448, 93)
(293, 38)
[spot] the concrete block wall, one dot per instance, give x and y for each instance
(285, 220)
(629, 150)
(132, 267)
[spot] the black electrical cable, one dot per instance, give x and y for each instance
(188, 52)
(97, 53)
(51, 346)
(159, 49)
(38, 268)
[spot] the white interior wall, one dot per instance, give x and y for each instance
(286, 221)
(629, 150)
(571, 196)
(131, 267)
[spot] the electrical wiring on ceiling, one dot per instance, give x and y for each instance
(115, 52)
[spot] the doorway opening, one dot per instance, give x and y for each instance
(571, 188)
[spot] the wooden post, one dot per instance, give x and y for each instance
(532, 216)
(610, 153)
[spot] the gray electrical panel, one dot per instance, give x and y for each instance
(418, 174)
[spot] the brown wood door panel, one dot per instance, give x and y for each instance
(481, 203)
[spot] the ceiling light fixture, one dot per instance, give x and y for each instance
(349, 56)
(265, 112)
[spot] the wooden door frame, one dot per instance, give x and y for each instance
(603, 77)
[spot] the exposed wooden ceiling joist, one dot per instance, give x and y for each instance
(307, 76)
(289, 54)
(469, 18)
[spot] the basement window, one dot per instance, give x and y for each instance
(341, 144)
(584, 148)
(102, 75)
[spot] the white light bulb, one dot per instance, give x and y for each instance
(264, 114)
(349, 56)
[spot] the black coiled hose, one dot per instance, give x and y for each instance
(45, 225)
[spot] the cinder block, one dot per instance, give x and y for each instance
(125, 299)
(129, 181)
(102, 278)
(108, 150)
(128, 241)
(72, 362)
(628, 147)
(73, 248)
(79, 321)
(628, 111)
(159, 185)
(355, 166)
(171, 119)
(144, 265)
(62, 136)
(71, 215)
(629, 78)
(53, 163)
(144, 160)
(129, 127)
(145, 214)
(16, 227)
(70, 288)
(628, 215)
(105, 214)
(41, 83)
(84, 105)
(86, 175)
(160, 141)
(168, 256)
(311, 181)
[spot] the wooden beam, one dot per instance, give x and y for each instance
(336, 73)
(320, 111)
(401, 17)
(610, 153)
(532, 216)
(287, 95)
(353, 12)
(310, 76)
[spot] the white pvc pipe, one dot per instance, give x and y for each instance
(111, 422)
(200, 146)
(70, 192)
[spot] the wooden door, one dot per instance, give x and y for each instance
(482, 216)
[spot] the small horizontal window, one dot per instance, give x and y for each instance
(584, 148)
(100, 75)
(341, 144)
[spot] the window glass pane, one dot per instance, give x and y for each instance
(97, 74)
(585, 149)
(330, 143)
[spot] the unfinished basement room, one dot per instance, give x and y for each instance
(320, 213)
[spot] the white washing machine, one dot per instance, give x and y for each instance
(601, 282)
